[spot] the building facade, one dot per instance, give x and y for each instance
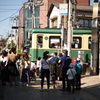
(21, 28)
(83, 2)
(44, 9)
(41, 18)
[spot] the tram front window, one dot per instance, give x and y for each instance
(77, 42)
(40, 41)
(54, 42)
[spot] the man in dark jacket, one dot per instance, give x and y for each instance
(65, 65)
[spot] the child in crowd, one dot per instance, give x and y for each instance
(71, 73)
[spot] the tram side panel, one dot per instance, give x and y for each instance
(39, 46)
(82, 51)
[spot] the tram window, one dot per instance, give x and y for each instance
(89, 42)
(40, 41)
(77, 42)
(54, 42)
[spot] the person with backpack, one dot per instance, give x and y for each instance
(78, 68)
(53, 65)
(65, 60)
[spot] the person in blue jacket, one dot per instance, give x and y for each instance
(65, 60)
(78, 68)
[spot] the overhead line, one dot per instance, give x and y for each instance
(9, 16)
(8, 9)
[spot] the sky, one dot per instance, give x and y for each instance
(8, 9)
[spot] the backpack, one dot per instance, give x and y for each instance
(54, 60)
(78, 69)
(67, 63)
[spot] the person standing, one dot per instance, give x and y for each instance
(25, 69)
(38, 66)
(4, 68)
(60, 67)
(78, 68)
(19, 66)
(53, 65)
(45, 70)
(13, 72)
(65, 60)
(71, 73)
(32, 71)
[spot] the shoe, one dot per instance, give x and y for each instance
(41, 90)
(16, 84)
(63, 89)
(23, 84)
(47, 90)
(79, 88)
(4, 84)
(11, 84)
(26, 84)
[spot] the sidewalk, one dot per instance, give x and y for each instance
(90, 91)
(91, 84)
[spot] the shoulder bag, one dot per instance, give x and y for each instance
(74, 77)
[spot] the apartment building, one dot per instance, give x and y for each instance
(45, 8)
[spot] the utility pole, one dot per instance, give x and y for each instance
(33, 15)
(35, 4)
(94, 40)
(71, 20)
(65, 27)
(65, 17)
(69, 35)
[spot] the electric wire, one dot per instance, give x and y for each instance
(8, 9)
(9, 16)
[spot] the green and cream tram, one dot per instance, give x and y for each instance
(50, 40)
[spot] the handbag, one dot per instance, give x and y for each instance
(74, 77)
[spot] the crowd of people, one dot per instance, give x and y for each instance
(18, 67)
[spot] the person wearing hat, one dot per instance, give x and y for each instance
(71, 73)
(78, 68)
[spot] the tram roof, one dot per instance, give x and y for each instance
(44, 30)
(58, 31)
(82, 31)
